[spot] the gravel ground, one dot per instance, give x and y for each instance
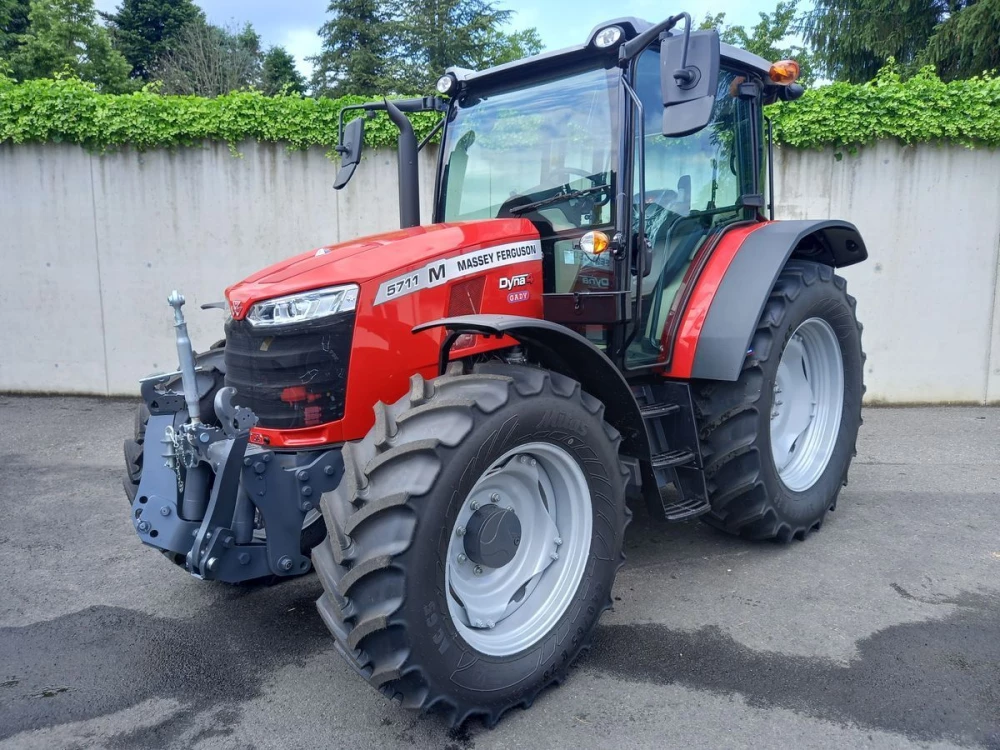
(883, 630)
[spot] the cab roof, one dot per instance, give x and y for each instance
(631, 28)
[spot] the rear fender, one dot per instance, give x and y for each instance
(731, 319)
(557, 348)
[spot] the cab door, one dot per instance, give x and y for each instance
(696, 186)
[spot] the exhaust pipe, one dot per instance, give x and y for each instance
(409, 176)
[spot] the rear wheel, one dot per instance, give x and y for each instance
(778, 442)
(474, 539)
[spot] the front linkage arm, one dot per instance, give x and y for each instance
(210, 531)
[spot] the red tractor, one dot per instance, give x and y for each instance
(448, 421)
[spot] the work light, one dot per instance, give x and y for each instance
(445, 84)
(608, 37)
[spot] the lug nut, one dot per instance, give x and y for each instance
(474, 505)
(554, 556)
(495, 497)
(558, 541)
(478, 570)
(490, 624)
(479, 624)
(461, 557)
(460, 531)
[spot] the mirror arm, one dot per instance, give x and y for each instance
(632, 48)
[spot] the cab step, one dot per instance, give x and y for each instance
(683, 509)
(675, 452)
(670, 459)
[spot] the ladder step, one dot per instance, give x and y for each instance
(652, 411)
(684, 509)
(672, 458)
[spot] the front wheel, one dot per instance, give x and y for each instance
(778, 442)
(474, 540)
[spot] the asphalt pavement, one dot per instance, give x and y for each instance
(882, 630)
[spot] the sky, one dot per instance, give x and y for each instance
(561, 23)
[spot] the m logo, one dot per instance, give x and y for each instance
(559, 420)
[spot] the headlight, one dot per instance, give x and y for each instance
(298, 308)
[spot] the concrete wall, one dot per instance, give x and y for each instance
(91, 245)
(928, 293)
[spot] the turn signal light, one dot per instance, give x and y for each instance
(784, 72)
(594, 243)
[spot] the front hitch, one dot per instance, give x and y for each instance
(204, 487)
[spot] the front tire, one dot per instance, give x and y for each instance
(773, 474)
(390, 567)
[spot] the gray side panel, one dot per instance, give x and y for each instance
(740, 299)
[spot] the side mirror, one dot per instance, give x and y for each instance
(689, 76)
(352, 143)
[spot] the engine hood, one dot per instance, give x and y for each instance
(371, 257)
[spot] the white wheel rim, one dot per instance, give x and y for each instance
(504, 610)
(807, 404)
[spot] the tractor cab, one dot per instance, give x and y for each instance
(630, 153)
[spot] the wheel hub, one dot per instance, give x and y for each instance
(806, 404)
(492, 536)
(518, 548)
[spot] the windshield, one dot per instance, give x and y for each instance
(552, 142)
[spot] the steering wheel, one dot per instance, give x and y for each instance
(599, 199)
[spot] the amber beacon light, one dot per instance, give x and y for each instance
(784, 72)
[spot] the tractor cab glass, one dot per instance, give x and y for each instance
(545, 150)
(693, 184)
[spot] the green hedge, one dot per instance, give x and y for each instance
(920, 109)
(841, 115)
(70, 111)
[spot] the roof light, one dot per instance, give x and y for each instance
(594, 243)
(445, 84)
(784, 72)
(607, 37)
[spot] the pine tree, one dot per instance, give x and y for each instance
(853, 39)
(63, 35)
(967, 43)
(13, 24)
(279, 74)
(357, 43)
(436, 34)
(145, 30)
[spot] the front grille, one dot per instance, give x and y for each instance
(292, 376)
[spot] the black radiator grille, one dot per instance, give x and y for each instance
(292, 376)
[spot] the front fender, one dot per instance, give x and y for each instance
(557, 348)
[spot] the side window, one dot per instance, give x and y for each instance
(693, 186)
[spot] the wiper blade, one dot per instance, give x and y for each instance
(557, 199)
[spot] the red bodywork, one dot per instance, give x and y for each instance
(706, 274)
(385, 352)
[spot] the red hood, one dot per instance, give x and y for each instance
(369, 257)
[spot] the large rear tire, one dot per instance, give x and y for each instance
(411, 537)
(778, 442)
